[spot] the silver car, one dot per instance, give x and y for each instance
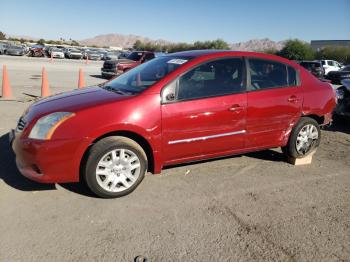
(73, 53)
(15, 50)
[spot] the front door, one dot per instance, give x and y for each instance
(204, 110)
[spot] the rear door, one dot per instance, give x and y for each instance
(203, 111)
(274, 102)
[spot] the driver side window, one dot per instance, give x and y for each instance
(214, 78)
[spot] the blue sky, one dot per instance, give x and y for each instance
(179, 20)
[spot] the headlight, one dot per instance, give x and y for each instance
(46, 126)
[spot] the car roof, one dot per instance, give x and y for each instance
(199, 53)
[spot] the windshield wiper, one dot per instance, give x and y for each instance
(115, 90)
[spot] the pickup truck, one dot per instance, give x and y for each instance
(113, 68)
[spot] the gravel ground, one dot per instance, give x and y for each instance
(251, 207)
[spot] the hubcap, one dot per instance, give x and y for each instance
(306, 138)
(118, 170)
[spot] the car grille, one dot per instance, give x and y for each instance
(21, 125)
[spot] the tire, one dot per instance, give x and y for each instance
(115, 166)
(296, 138)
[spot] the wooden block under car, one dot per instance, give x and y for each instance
(301, 161)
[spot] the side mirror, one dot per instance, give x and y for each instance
(170, 97)
(168, 93)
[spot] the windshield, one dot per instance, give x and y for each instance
(136, 56)
(145, 75)
(15, 47)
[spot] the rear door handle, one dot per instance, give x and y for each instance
(293, 99)
(235, 108)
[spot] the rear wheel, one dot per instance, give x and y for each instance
(115, 167)
(304, 138)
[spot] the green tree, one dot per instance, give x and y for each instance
(2, 36)
(271, 51)
(41, 41)
(75, 43)
(340, 54)
(297, 50)
(137, 45)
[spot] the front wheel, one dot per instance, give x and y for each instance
(115, 167)
(304, 138)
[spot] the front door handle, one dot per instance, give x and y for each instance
(293, 99)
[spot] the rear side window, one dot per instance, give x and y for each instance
(267, 74)
(293, 79)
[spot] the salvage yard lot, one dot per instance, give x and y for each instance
(242, 208)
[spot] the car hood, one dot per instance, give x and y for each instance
(14, 50)
(73, 101)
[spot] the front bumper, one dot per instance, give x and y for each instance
(48, 161)
(75, 56)
(57, 56)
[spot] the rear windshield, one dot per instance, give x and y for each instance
(310, 65)
(136, 56)
(145, 75)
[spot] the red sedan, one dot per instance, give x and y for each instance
(176, 108)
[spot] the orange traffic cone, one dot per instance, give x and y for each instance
(81, 82)
(6, 89)
(45, 91)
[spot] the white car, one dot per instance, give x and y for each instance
(57, 53)
(330, 65)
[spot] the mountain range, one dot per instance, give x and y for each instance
(126, 41)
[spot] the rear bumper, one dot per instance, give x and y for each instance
(48, 161)
(106, 73)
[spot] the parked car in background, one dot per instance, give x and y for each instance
(337, 76)
(176, 108)
(37, 51)
(116, 67)
(343, 99)
(93, 55)
(112, 55)
(330, 65)
(315, 67)
(15, 50)
(102, 53)
(3, 47)
(57, 53)
(73, 53)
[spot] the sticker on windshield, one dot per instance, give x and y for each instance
(177, 61)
